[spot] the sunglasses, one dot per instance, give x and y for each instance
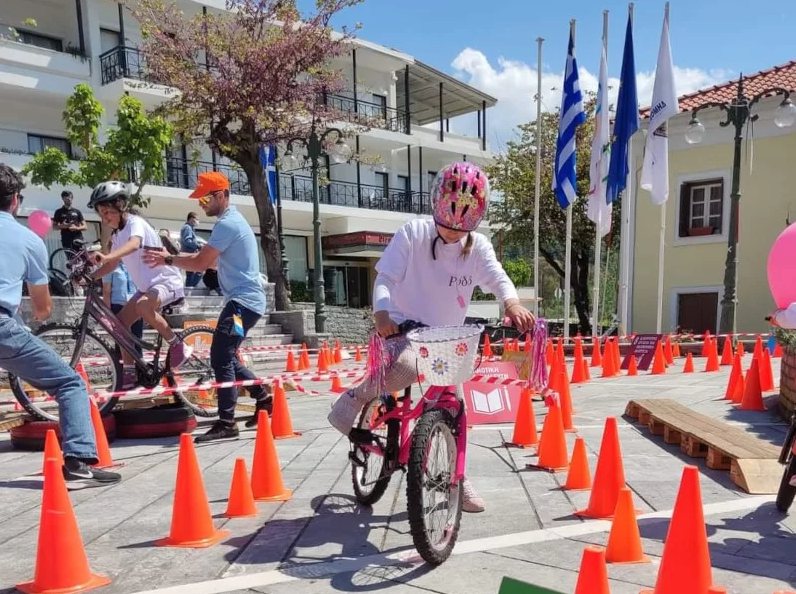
(205, 200)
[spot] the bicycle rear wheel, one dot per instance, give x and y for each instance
(102, 370)
(434, 505)
(197, 370)
(370, 472)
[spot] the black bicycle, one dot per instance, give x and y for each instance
(83, 346)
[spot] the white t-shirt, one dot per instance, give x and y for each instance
(141, 274)
(411, 285)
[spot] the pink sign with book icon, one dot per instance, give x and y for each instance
(490, 403)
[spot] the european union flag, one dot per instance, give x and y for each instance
(625, 122)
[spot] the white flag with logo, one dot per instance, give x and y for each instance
(655, 172)
(599, 209)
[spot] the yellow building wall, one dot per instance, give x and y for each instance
(766, 195)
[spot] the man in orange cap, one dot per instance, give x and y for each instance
(233, 245)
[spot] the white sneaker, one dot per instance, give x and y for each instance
(344, 413)
(471, 503)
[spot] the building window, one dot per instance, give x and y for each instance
(43, 41)
(701, 208)
(38, 144)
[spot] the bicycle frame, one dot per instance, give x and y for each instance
(435, 397)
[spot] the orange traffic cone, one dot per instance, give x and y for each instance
(609, 476)
(553, 445)
(777, 351)
(705, 344)
(283, 424)
(579, 477)
(291, 362)
(487, 352)
(758, 352)
(658, 361)
(82, 373)
(337, 387)
(105, 460)
(685, 564)
(766, 373)
(305, 357)
(609, 364)
(593, 574)
(191, 522)
(525, 435)
(726, 353)
(266, 473)
(734, 374)
(358, 355)
(740, 388)
(753, 395)
(689, 364)
(61, 562)
(578, 376)
(667, 350)
(338, 355)
(565, 400)
(323, 364)
(712, 363)
(676, 350)
(240, 503)
(739, 350)
(624, 540)
(632, 367)
(586, 372)
(596, 358)
(52, 449)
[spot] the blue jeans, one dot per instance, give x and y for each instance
(224, 358)
(192, 278)
(30, 358)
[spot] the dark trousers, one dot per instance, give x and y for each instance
(137, 329)
(192, 278)
(224, 358)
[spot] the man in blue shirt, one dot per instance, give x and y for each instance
(30, 358)
(189, 245)
(233, 244)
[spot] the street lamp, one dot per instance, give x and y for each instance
(340, 152)
(738, 112)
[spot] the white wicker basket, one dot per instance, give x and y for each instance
(446, 354)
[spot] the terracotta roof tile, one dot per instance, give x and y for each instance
(778, 76)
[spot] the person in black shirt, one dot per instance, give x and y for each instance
(70, 221)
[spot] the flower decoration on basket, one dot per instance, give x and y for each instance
(423, 352)
(461, 349)
(440, 366)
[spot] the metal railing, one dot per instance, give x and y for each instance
(123, 62)
(183, 173)
(367, 113)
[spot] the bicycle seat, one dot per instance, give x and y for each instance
(169, 309)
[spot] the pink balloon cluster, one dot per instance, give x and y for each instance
(782, 268)
(40, 223)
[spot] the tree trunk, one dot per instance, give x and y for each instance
(269, 238)
(578, 282)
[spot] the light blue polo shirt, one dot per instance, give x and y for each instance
(238, 261)
(122, 287)
(25, 261)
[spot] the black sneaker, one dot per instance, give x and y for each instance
(79, 475)
(220, 430)
(266, 404)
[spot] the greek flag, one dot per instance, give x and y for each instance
(268, 160)
(571, 116)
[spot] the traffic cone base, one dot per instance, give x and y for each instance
(217, 537)
(95, 581)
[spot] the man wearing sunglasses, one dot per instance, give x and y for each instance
(233, 246)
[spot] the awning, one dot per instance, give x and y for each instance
(365, 244)
(424, 95)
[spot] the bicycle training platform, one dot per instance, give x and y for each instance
(320, 541)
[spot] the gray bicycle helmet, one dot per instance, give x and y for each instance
(109, 191)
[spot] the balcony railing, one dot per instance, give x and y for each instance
(183, 173)
(367, 113)
(123, 62)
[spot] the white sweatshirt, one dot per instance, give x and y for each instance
(411, 285)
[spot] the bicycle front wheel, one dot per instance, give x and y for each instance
(197, 370)
(99, 368)
(433, 504)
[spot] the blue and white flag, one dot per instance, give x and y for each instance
(268, 160)
(571, 116)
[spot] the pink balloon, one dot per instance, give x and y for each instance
(782, 268)
(40, 223)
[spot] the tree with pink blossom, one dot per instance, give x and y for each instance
(251, 76)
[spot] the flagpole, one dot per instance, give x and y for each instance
(662, 245)
(624, 248)
(568, 251)
(539, 42)
(595, 328)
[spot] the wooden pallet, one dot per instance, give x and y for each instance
(751, 461)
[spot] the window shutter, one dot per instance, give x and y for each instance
(685, 208)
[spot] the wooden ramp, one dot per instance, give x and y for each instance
(751, 461)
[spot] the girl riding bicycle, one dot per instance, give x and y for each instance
(426, 276)
(157, 287)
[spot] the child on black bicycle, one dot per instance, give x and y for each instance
(156, 288)
(427, 275)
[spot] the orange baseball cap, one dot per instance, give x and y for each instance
(209, 182)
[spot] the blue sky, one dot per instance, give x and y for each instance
(491, 44)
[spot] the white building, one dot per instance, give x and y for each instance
(95, 42)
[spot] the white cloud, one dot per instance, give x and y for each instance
(513, 83)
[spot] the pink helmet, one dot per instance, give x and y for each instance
(459, 196)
